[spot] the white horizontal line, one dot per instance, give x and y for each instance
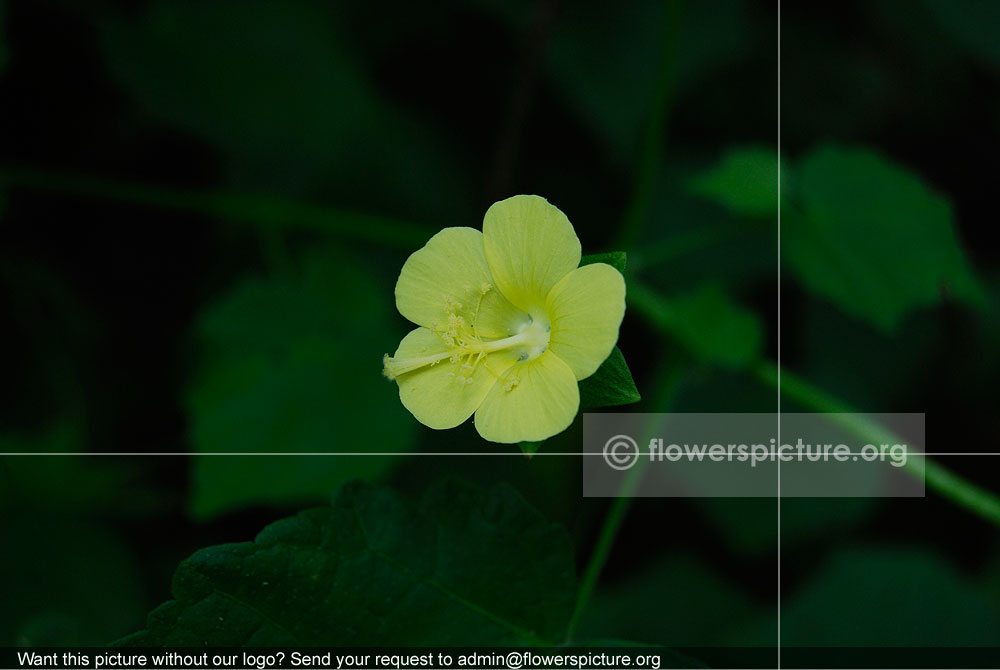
(279, 453)
(706, 457)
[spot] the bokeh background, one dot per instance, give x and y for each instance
(204, 207)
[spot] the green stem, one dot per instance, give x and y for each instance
(651, 157)
(619, 506)
(602, 548)
(961, 492)
(958, 490)
(950, 486)
(265, 211)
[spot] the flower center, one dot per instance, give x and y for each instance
(534, 334)
(466, 348)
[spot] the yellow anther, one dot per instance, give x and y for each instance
(385, 367)
(450, 304)
(466, 350)
(485, 288)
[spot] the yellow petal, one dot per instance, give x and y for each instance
(450, 273)
(438, 395)
(585, 309)
(530, 245)
(533, 400)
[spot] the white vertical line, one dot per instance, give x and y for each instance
(779, 334)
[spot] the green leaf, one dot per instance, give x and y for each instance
(291, 365)
(745, 182)
(873, 238)
(464, 566)
(706, 322)
(610, 385)
(531, 448)
(616, 259)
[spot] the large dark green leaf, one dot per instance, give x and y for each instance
(462, 566)
(873, 238)
(291, 365)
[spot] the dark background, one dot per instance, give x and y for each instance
(126, 294)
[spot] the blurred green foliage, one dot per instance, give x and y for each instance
(289, 369)
(873, 238)
(747, 526)
(677, 601)
(233, 293)
(859, 230)
(278, 89)
(972, 24)
(55, 571)
(60, 484)
(920, 600)
(707, 323)
(745, 181)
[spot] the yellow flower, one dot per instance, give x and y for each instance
(508, 323)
